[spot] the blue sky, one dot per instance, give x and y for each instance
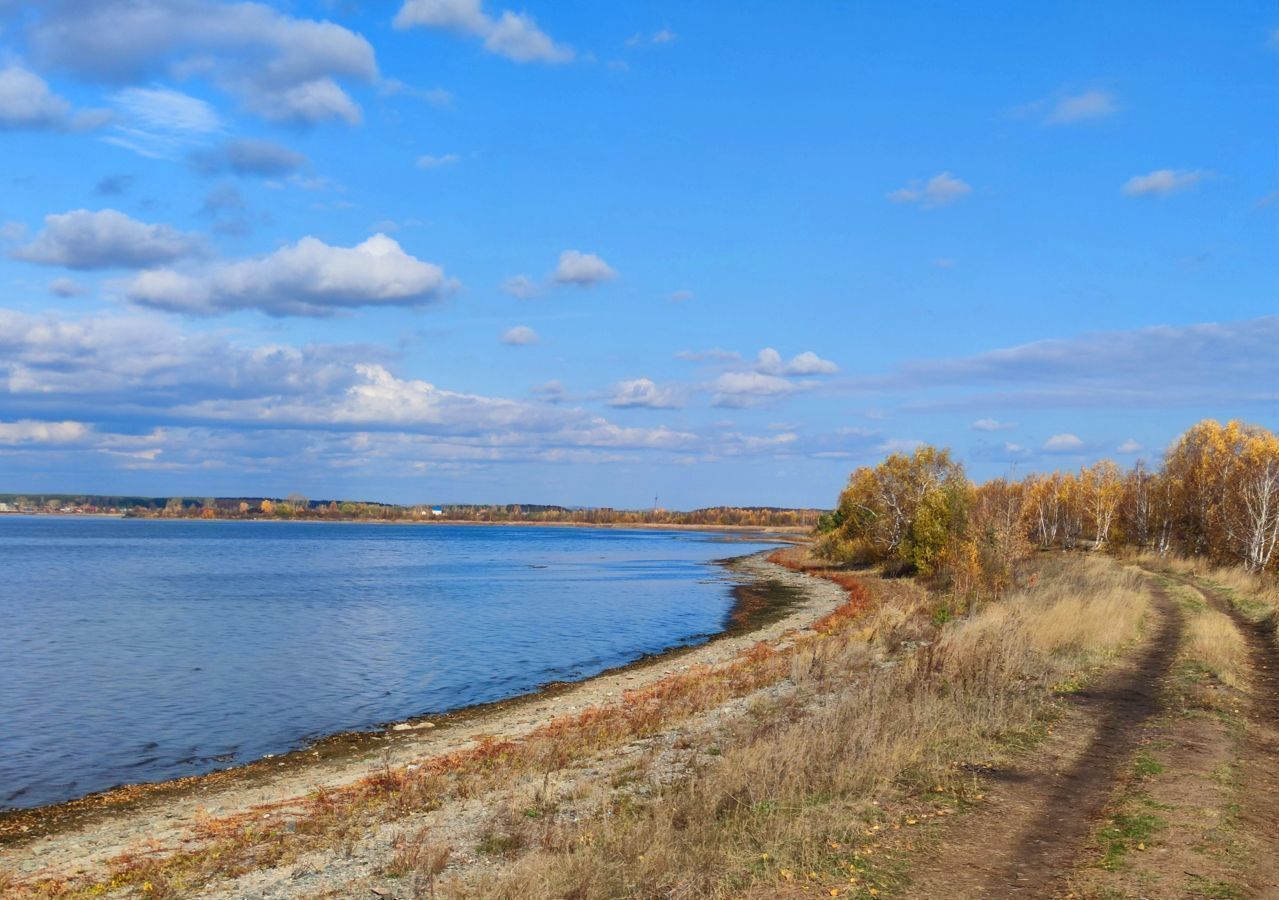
(450, 251)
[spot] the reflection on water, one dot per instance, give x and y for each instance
(144, 650)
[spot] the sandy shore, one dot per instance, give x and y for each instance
(81, 835)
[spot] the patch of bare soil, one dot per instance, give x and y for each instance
(1259, 820)
(1041, 807)
(1172, 828)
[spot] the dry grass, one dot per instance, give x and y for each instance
(1255, 595)
(791, 801)
(1213, 642)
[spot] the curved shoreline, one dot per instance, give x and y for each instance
(767, 596)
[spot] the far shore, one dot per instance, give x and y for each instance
(627, 526)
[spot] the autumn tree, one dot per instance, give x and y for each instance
(901, 511)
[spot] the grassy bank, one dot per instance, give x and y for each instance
(882, 725)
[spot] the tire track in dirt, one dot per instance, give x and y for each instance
(1260, 765)
(1043, 807)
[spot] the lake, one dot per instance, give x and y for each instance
(142, 650)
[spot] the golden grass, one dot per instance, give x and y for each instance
(789, 805)
(1254, 594)
(1214, 642)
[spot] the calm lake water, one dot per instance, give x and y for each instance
(134, 650)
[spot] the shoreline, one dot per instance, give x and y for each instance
(625, 526)
(761, 599)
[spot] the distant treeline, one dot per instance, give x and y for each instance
(1215, 496)
(296, 506)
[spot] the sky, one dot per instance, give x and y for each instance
(439, 251)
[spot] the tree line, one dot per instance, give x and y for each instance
(1214, 495)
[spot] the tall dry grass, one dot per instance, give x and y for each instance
(1255, 594)
(791, 798)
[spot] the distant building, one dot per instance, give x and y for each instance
(436, 511)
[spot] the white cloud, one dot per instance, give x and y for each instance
(940, 190)
(519, 336)
(992, 425)
(278, 66)
(899, 445)
(737, 389)
(160, 123)
(582, 269)
(1086, 107)
(27, 102)
(642, 392)
(427, 161)
(1130, 446)
(515, 36)
(770, 362)
(1162, 182)
(521, 286)
(809, 363)
(316, 100)
(28, 431)
(1063, 443)
(309, 278)
(106, 239)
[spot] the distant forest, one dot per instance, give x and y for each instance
(296, 506)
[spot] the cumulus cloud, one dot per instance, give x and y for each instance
(1129, 446)
(642, 392)
(1063, 443)
(519, 336)
(521, 286)
(582, 269)
(940, 190)
(30, 431)
(992, 425)
(28, 103)
(278, 66)
(770, 362)
(738, 389)
(515, 36)
(206, 399)
(248, 156)
(1162, 182)
(107, 239)
(309, 278)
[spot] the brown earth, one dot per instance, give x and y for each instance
(1260, 769)
(1040, 808)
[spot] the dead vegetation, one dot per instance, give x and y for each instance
(878, 737)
